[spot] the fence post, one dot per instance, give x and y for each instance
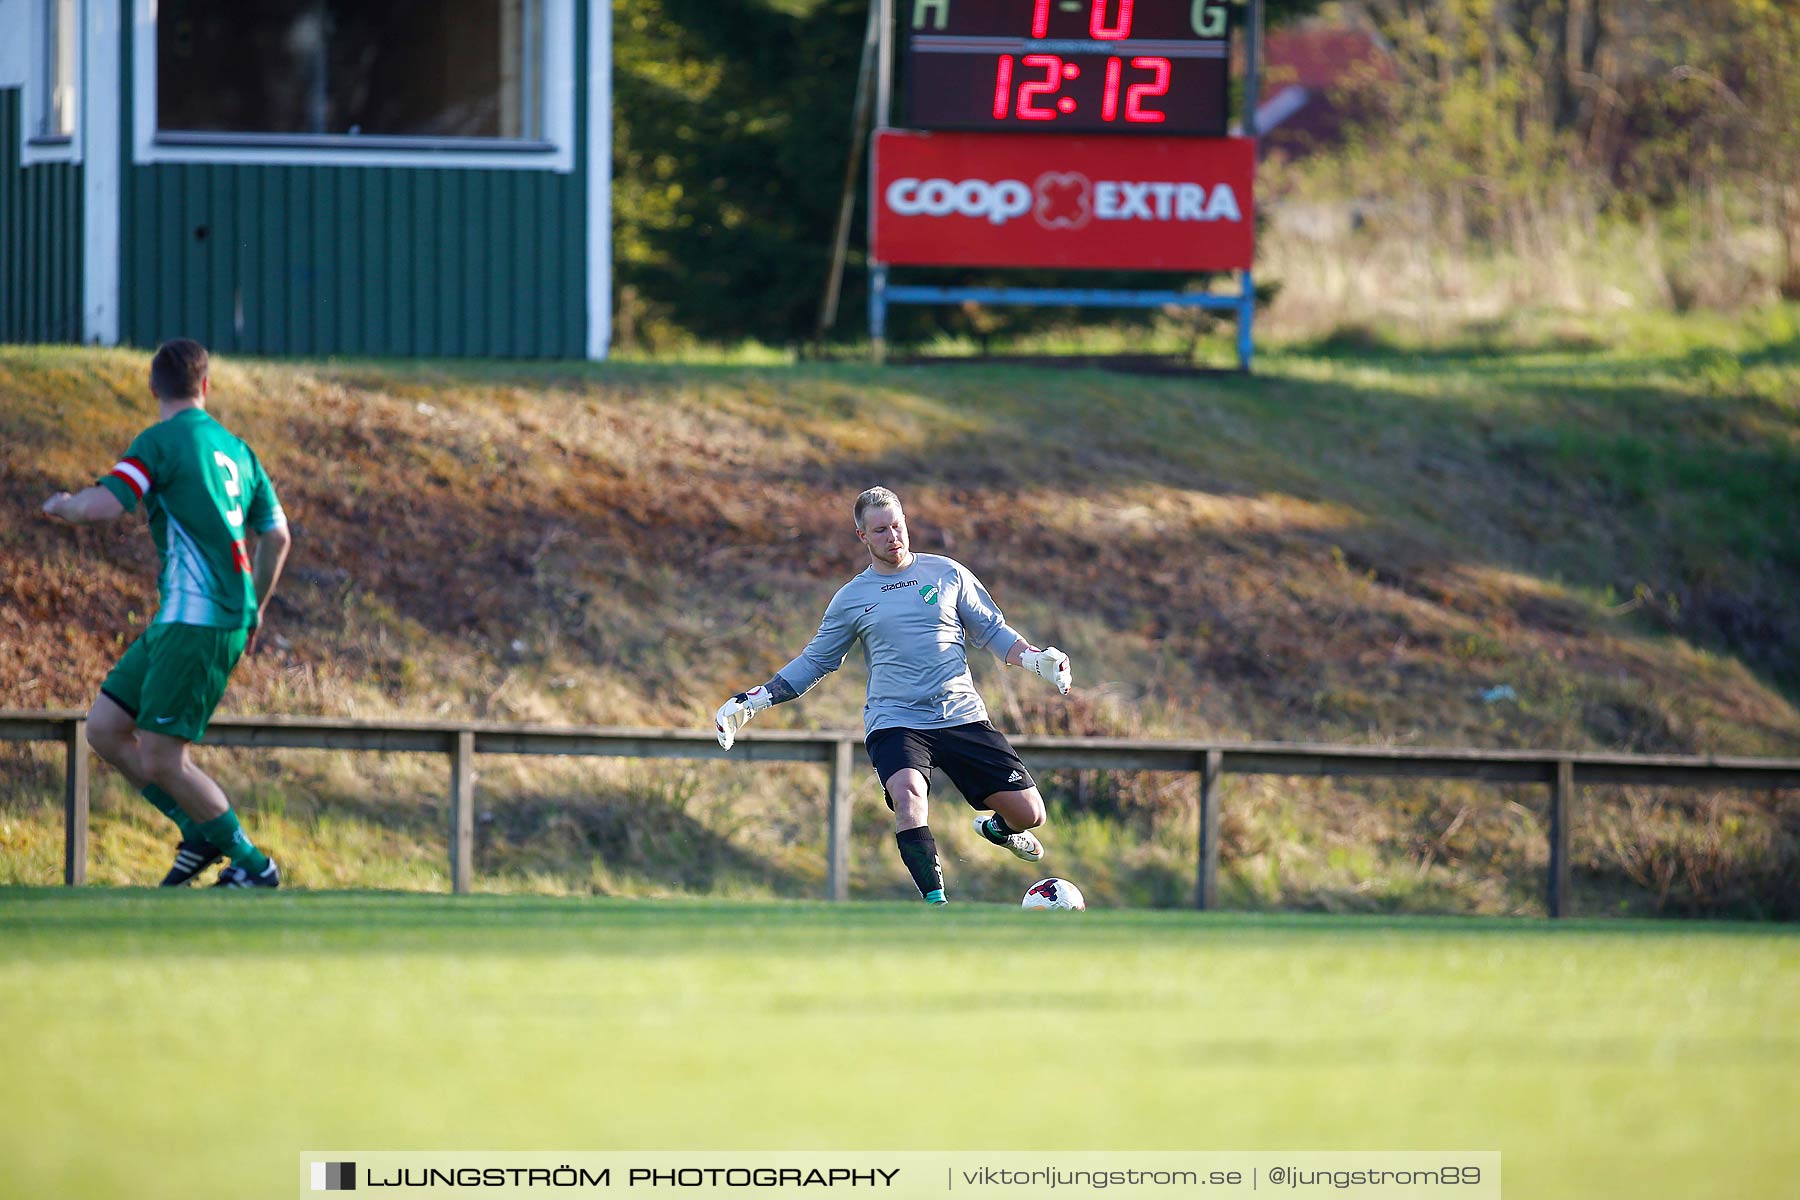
(75, 802)
(837, 867)
(1562, 798)
(1206, 885)
(462, 811)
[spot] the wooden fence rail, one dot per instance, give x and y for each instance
(460, 741)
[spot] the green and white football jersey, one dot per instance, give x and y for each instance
(203, 489)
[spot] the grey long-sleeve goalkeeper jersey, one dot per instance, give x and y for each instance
(916, 628)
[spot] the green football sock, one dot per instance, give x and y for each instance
(227, 835)
(165, 804)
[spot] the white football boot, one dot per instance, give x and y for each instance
(1021, 843)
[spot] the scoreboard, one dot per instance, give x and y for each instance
(1159, 67)
(1077, 135)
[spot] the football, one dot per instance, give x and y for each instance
(1052, 894)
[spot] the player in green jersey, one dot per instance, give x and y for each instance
(204, 493)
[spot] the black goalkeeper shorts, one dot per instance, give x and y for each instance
(977, 758)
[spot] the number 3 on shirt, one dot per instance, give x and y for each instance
(234, 516)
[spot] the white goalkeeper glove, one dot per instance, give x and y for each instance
(736, 712)
(1049, 663)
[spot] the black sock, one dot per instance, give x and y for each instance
(1001, 827)
(918, 850)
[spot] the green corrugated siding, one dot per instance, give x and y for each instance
(359, 260)
(40, 240)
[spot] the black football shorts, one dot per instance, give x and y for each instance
(977, 758)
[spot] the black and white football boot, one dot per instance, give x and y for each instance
(236, 877)
(191, 858)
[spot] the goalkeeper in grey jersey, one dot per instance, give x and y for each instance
(916, 616)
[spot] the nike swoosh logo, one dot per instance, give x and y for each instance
(870, 609)
(164, 720)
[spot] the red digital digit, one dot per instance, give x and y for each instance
(1053, 65)
(1098, 28)
(1109, 99)
(1040, 19)
(1136, 94)
(1002, 86)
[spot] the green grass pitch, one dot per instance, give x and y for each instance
(176, 1045)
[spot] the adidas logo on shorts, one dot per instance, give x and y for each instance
(1015, 777)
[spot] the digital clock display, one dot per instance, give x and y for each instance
(1067, 66)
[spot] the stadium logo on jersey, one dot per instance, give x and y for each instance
(929, 594)
(904, 583)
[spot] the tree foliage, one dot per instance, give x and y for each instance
(1768, 45)
(1503, 108)
(732, 123)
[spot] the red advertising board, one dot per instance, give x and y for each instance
(1001, 200)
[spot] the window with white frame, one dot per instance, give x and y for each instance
(56, 109)
(334, 71)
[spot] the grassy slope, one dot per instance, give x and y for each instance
(1353, 545)
(1617, 1059)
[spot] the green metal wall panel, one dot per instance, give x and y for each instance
(40, 240)
(348, 260)
(358, 260)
